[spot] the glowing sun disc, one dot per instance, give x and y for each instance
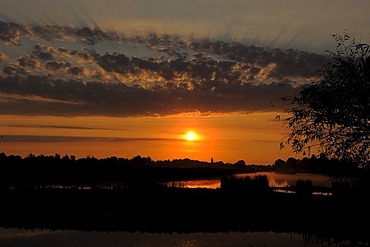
(191, 136)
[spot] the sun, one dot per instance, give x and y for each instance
(191, 136)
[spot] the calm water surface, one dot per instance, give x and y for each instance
(278, 180)
(46, 238)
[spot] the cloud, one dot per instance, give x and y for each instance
(10, 70)
(54, 139)
(3, 57)
(44, 96)
(248, 63)
(78, 71)
(200, 59)
(53, 66)
(10, 32)
(61, 74)
(57, 127)
(9, 97)
(298, 24)
(28, 62)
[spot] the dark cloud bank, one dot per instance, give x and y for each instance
(192, 75)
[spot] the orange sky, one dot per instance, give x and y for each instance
(119, 79)
(253, 138)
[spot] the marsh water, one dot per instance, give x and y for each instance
(276, 180)
(59, 238)
(46, 238)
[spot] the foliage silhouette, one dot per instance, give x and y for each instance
(334, 169)
(39, 172)
(68, 172)
(333, 113)
(258, 184)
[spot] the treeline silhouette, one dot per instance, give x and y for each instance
(44, 171)
(347, 178)
(320, 165)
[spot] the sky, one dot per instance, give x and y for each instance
(126, 78)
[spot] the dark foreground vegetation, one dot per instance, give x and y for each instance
(185, 211)
(116, 194)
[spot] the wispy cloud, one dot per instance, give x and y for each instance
(55, 139)
(58, 127)
(286, 24)
(13, 97)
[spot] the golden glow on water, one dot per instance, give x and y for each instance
(194, 184)
(285, 180)
(276, 180)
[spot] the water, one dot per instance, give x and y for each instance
(47, 238)
(277, 180)
(280, 180)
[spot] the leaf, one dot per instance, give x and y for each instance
(282, 145)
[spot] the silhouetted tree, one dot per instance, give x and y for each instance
(280, 164)
(240, 163)
(333, 113)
